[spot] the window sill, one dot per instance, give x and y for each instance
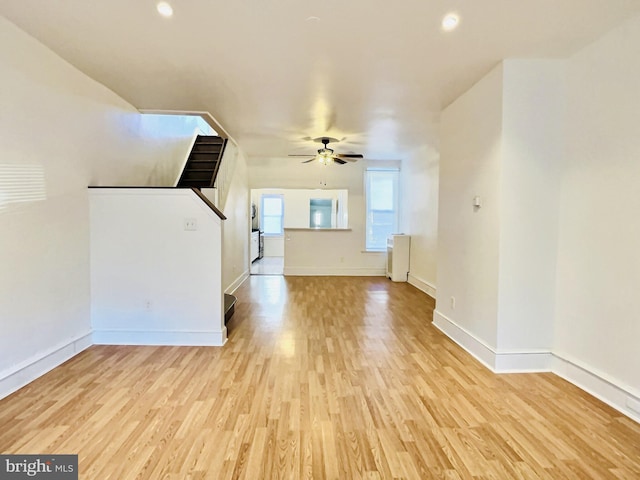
(309, 229)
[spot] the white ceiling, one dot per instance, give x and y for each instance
(376, 72)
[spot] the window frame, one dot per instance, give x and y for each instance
(369, 212)
(262, 213)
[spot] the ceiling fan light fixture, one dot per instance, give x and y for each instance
(450, 22)
(325, 158)
(164, 9)
(326, 155)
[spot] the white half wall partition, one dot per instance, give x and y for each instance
(310, 251)
(156, 268)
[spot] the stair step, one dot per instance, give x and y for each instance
(203, 162)
(207, 148)
(208, 140)
(189, 175)
(202, 167)
(229, 306)
(197, 175)
(203, 158)
(200, 172)
(194, 184)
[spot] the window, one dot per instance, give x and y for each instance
(272, 214)
(320, 213)
(381, 190)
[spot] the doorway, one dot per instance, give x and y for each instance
(268, 266)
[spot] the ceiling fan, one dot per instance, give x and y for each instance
(326, 155)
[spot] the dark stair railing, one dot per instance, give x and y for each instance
(203, 163)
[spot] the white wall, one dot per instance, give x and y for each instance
(67, 132)
(568, 265)
(532, 152)
(419, 218)
(235, 247)
(152, 281)
(326, 252)
(598, 278)
(503, 142)
(468, 238)
(273, 246)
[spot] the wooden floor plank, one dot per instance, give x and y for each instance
(322, 377)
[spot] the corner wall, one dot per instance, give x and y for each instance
(468, 237)
(597, 331)
(502, 144)
(419, 199)
(235, 244)
(532, 155)
(569, 268)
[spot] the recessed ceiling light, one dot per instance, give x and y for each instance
(165, 9)
(450, 22)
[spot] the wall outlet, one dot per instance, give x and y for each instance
(341, 259)
(147, 305)
(190, 224)
(453, 303)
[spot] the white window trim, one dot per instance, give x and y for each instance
(396, 204)
(272, 195)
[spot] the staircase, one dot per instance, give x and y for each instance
(201, 171)
(203, 163)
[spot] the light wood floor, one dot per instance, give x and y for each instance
(268, 266)
(321, 378)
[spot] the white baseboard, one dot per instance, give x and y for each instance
(423, 285)
(621, 397)
(482, 352)
(29, 370)
(498, 361)
(333, 272)
(131, 337)
(26, 372)
(237, 282)
(526, 361)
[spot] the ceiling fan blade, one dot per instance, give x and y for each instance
(300, 155)
(307, 161)
(338, 160)
(349, 155)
